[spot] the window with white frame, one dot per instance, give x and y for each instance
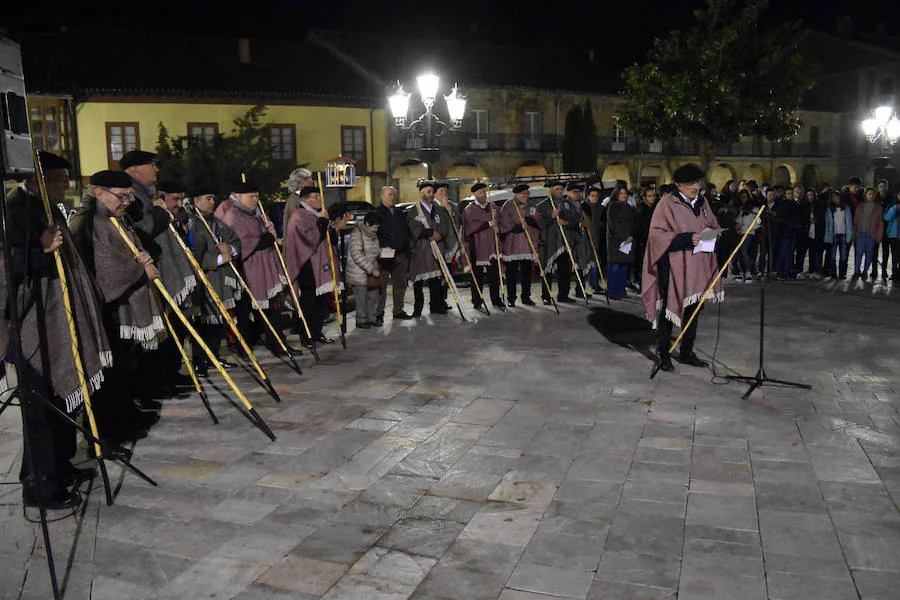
(533, 129)
(121, 138)
(203, 131)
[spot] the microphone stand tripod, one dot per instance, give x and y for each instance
(760, 379)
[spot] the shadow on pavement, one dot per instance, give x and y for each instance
(625, 330)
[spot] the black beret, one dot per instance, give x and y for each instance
(555, 183)
(203, 190)
(244, 186)
(478, 186)
(171, 187)
(522, 187)
(136, 158)
(688, 173)
(425, 184)
(438, 186)
(111, 179)
(576, 186)
(308, 190)
(51, 161)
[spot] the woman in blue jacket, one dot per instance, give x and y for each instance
(892, 231)
(838, 235)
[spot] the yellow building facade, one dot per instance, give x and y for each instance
(303, 135)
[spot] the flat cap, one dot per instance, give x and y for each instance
(111, 179)
(478, 186)
(688, 174)
(135, 158)
(440, 185)
(171, 187)
(50, 161)
(425, 184)
(203, 190)
(308, 190)
(240, 186)
(522, 187)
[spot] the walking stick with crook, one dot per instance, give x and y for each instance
(534, 252)
(462, 247)
(254, 416)
(342, 327)
(229, 320)
(294, 296)
(498, 252)
(707, 293)
(575, 270)
(246, 288)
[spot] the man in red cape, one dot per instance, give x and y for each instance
(674, 274)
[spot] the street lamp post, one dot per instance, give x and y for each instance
(428, 125)
(882, 125)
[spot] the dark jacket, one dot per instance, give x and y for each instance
(620, 222)
(394, 231)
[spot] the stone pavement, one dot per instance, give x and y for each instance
(526, 457)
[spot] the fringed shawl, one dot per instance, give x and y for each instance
(262, 271)
(689, 274)
(304, 242)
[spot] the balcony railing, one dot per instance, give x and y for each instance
(551, 144)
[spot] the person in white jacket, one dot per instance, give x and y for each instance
(363, 264)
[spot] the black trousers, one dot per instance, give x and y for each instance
(435, 295)
(664, 340)
(213, 335)
(315, 309)
(50, 438)
(519, 272)
(563, 278)
(885, 256)
(167, 357)
(687, 341)
(490, 273)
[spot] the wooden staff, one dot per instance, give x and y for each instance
(74, 346)
(256, 306)
(562, 232)
(462, 246)
(718, 276)
(294, 296)
(229, 320)
(255, 418)
(190, 368)
(337, 300)
(436, 252)
(498, 253)
(594, 250)
(534, 252)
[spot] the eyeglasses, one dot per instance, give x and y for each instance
(129, 197)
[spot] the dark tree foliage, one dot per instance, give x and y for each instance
(723, 78)
(221, 161)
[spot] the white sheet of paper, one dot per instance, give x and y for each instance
(387, 253)
(705, 246)
(625, 247)
(709, 234)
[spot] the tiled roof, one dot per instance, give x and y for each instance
(85, 63)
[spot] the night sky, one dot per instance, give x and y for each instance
(619, 30)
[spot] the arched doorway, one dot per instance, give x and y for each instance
(616, 171)
(467, 170)
(719, 174)
(810, 177)
(406, 178)
(754, 173)
(532, 168)
(784, 176)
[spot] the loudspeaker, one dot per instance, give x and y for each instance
(16, 160)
